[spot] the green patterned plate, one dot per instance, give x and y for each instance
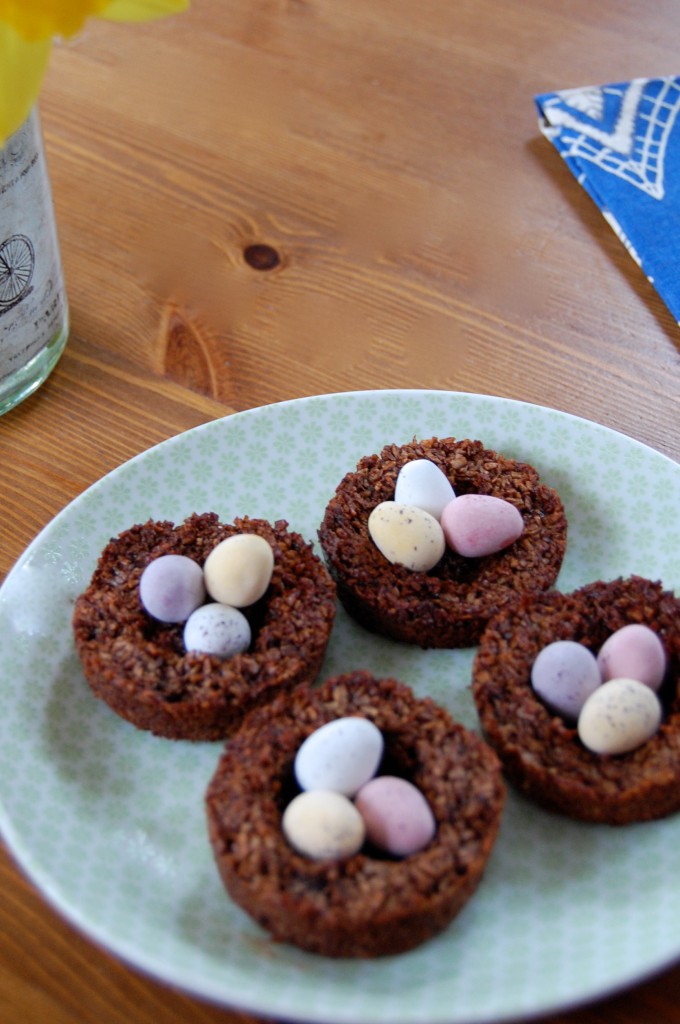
(108, 821)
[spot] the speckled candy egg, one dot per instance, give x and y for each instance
(476, 525)
(619, 716)
(564, 675)
(407, 535)
(634, 651)
(341, 756)
(422, 483)
(397, 816)
(239, 569)
(217, 629)
(323, 825)
(171, 587)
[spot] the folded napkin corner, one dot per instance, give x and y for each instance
(621, 143)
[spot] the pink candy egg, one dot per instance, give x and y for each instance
(636, 652)
(397, 816)
(475, 525)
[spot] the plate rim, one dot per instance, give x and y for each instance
(326, 396)
(210, 993)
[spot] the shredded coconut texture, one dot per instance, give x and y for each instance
(139, 666)
(540, 751)
(450, 605)
(366, 905)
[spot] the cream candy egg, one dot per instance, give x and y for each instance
(407, 535)
(564, 674)
(635, 651)
(323, 825)
(171, 587)
(341, 756)
(480, 524)
(422, 483)
(239, 569)
(217, 629)
(397, 816)
(619, 716)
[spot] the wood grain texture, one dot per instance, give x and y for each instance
(415, 230)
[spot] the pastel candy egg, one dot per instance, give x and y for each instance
(564, 675)
(217, 629)
(480, 524)
(407, 535)
(341, 755)
(171, 587)
(323, 825)
(619, 716)
(239, 569)
(635, 651)
(397, 816)
(422, 483)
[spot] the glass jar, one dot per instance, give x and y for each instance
(33, 306)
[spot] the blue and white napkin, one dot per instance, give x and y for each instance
(622, 143)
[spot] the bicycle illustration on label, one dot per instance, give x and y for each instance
(17, 262)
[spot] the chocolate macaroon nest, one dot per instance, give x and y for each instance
(541, 751)
(367, 904)
(450, 605)
(139, 665)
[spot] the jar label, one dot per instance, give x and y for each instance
(32, 301)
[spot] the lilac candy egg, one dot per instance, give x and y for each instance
(422, 483)
(564, 675)
(476, 525)
(171, 587)
(397, 816)
(635, 651)
(217, 629)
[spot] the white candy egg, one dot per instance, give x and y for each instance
(619, 716)
(422, 483)
(480, 524)
(323, 825)
(341, 755)
(635, 651)
(239, 569)
(407, 535)
(564, 674)
(217, 629)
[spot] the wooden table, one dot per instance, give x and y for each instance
(267, 199)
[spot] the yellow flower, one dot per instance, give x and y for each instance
(27, 28)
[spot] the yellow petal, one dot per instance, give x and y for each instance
(43, 19)
(141, 10)
(27, 28)
(22, 65)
